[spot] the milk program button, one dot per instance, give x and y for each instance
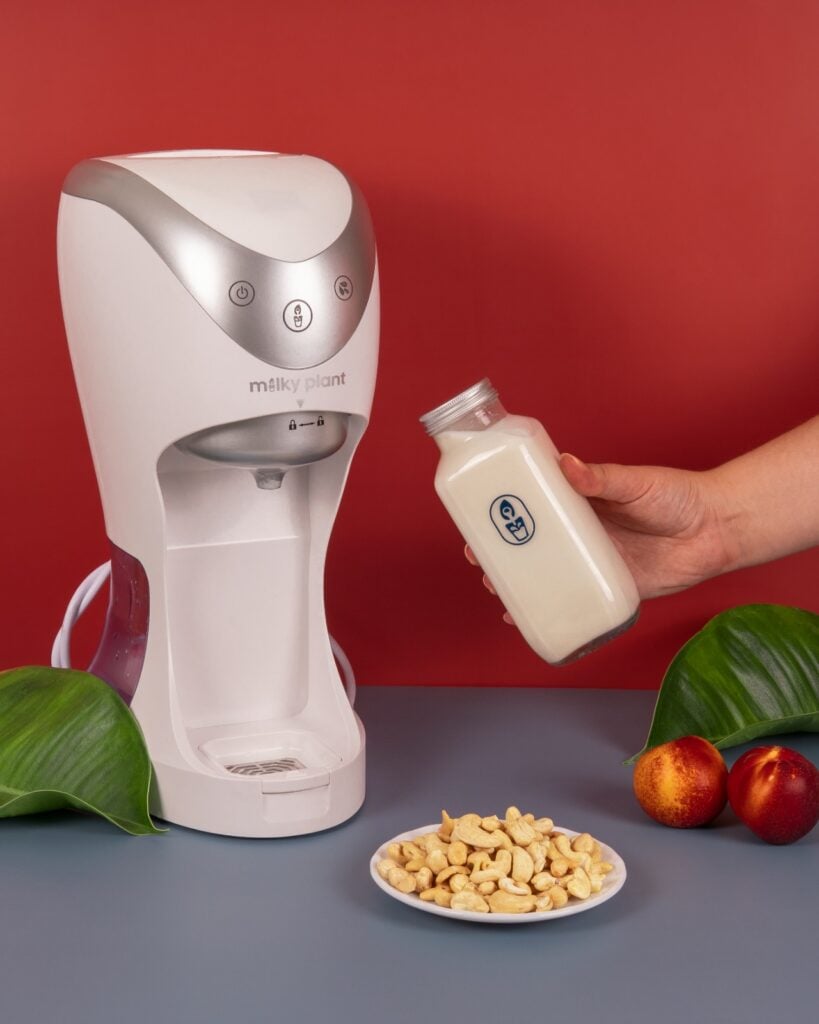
(297, 315)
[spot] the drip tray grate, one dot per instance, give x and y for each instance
(281, 764)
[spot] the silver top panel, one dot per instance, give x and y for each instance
(292, 315)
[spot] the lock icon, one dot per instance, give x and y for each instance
(320, 420)
(291, 425)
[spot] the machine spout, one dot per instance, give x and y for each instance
(268, 479)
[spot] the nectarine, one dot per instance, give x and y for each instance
(681, 783)
(775, 792)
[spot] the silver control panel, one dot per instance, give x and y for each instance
(292, 315)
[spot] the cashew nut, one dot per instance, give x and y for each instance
(558, 896)
(563, 846)
(542, 881)
(441, 897)
(491, 823)
(523, 867)
(503, 839)
(521, 832)
(457, 883)
(423, 879)
(486, 888)
(491, 874)
(583, 843)
(437, 860)
(479, 860)
(401, 880)
(384, 867)
(508, 903)
(537, 852)
(457, 853)
(447, 823)
(469, 819)
(579, 884)
(543, 902)
(432, 841)
(543, 825)
(559, 866)
(503, 861)
(516, 888)
(471, 901)
(474, 835)
(394, 853)
(492, 870)
(448, 872)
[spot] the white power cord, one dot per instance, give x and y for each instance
(91, 586)
(83, 596)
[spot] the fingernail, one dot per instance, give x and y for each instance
(575, 460)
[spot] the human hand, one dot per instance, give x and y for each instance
(668, 524)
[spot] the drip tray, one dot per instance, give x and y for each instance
(282, 762)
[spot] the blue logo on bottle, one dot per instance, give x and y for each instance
(512, 519)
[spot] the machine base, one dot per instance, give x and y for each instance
(260, 806)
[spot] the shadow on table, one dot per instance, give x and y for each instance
(373, 903)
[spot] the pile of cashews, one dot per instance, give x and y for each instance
(487, 865)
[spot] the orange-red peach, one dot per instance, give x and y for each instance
(681, 783)
(775, 792)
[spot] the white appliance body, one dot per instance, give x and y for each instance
(222, 315)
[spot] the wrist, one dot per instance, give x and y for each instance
(725, 518)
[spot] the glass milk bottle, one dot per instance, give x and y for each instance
(539, 542)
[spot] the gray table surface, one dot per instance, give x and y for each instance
(712, 925)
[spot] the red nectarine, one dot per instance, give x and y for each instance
(775, 792)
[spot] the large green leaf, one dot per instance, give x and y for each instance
(68, 740)
(751, 671)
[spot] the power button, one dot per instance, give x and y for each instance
(241, 293)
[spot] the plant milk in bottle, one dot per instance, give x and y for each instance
(539, 542)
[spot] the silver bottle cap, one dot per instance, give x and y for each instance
(444, 415)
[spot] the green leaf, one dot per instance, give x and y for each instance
(68, 740)
(751, 671)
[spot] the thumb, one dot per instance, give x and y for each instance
(606, 480)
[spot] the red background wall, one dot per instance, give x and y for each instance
(610, 209)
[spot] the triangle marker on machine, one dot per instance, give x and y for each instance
(300, 402)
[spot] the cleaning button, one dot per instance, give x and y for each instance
(297, 315)
(241, 293)
(343, 287)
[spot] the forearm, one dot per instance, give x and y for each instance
(768, 499)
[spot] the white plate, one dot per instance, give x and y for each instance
(612, 884)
